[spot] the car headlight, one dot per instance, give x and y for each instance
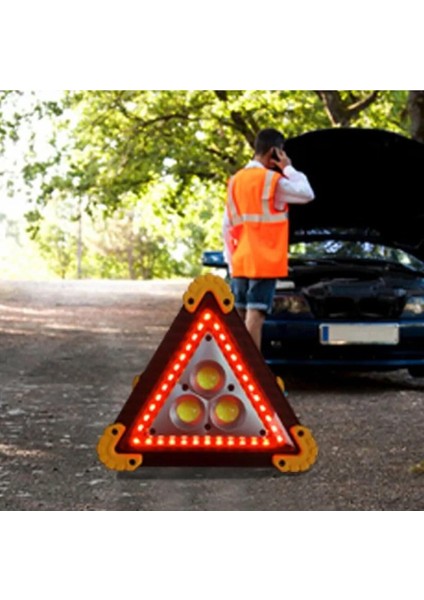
(414, 307)
(291, 303)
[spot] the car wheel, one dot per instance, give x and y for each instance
(416, 371)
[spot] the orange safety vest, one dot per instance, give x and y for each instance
(259, 233)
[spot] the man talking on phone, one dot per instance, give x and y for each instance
(256, 226)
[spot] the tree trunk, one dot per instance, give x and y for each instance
(342, 112)
(79, 243)
(416, 112)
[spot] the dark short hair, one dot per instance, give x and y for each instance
(267, 139)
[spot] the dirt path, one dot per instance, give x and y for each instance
(68, 354)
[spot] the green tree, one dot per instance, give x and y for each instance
(59, 248)
(415, 109)
(128, 141)
(383, 109)
(185, 144)
(57, 235)
(129, 245)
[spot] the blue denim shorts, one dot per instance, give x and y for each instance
(253, 293)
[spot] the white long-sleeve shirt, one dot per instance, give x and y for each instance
(293, 188)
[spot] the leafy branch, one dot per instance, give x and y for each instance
(341, 112)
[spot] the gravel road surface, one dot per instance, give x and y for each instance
(68, 354)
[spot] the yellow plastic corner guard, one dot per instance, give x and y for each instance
(288, 463)
(281, 384)
(135, 380)
(208, 283)
(108, 455)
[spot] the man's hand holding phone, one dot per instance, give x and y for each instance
(279, 158)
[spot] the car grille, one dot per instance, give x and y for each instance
(353, 308)
(355, 301)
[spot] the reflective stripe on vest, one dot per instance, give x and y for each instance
(265, 216)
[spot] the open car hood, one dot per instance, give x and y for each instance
(368, 184)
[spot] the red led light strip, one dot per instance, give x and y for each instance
(208, 322)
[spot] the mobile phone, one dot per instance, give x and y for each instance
(274, 156)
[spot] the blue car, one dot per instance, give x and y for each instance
(354, 296)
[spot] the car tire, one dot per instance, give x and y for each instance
(416, 371)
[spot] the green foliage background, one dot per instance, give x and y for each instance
(144, 172)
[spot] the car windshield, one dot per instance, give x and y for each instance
(347, 250)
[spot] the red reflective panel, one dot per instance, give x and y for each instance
(207, 380)
(221, 442)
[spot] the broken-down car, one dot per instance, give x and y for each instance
(354, 296)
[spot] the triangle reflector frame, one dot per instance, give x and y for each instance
(207, 398)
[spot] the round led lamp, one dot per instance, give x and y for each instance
(187, 412)
(227, 412)
(207, 378)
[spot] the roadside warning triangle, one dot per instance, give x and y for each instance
(207, 398)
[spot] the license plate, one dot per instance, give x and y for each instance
(363, 333)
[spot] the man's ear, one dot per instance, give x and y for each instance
(269, 154)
